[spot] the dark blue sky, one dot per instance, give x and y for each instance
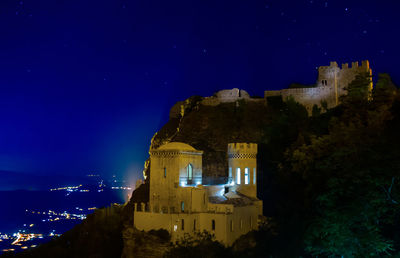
(85, 84)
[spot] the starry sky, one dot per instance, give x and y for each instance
(84, 84)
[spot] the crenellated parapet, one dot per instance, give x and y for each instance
(242, 150)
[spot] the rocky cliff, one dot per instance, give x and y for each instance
(205, 127)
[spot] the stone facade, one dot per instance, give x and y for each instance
(181, 204)
(331, 84)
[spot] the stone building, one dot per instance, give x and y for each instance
(331, 83)
(180, 203)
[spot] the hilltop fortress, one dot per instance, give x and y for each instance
(331, 83)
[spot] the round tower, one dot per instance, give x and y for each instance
(242, 161)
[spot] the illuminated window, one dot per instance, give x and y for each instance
(254, 176)
(246, 176)
(182, 206)
(183, 224)
(212, 224)
(165, 172)
(189, 172)
(238, 176)
(230, 172)
(175, 228)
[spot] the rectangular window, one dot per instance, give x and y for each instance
(165, 172)
(194, 225)
(212, 224)
(182, 206)
(231, 225)
(230, 172)
(254, 176)
(183, 224)
(246, 176)
(238, 176)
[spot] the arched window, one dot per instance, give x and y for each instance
(246, 176)
(189, 172)
(238, 176)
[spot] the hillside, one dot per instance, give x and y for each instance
(313, 172)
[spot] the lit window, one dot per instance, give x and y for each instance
(238, 176)
(165, 172)
(254, 176)
(246, 176)
(175, 228)
(182, 206)
(189, 172)
(212, 224)
(230, 172)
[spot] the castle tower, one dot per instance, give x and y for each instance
(242, 161)
(174, 166)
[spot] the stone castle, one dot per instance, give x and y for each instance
(183, 204)
(331, 83)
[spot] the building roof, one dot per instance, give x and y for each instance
(177, 146)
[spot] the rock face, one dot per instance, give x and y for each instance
(211, 128)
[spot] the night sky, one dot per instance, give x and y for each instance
(85, 84)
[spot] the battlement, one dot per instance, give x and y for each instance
(242, 148)
(354, 65)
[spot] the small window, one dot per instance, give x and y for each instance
(230, 172)
(238, 176)
(254, 176)
(231, 225)
(183, 224)
(183, 206)
(246, 176)
(165, 172)
(212, 224)
(189, 170)
(194, 225)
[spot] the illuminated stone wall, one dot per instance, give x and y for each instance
(331, 84)
(230, 222)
